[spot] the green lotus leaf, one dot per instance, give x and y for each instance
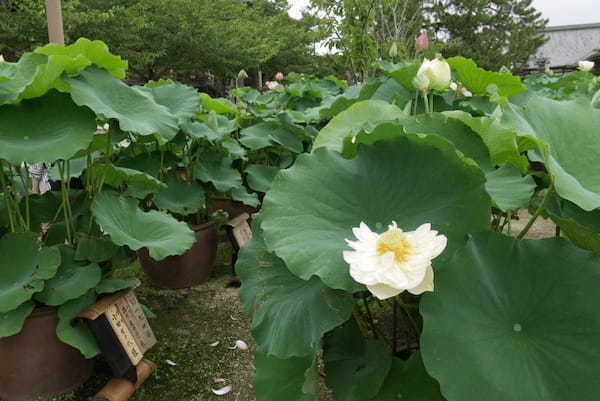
(219, 105)
(181, 197)
(478, 80)
(260, 177)
(94, 248)
(267, 134)
(360, 116)
(118, 176)
(12, 322)
(498, 324)
(409, 381)
(570, 128)
(240, 194)
(392, 92)
(18, 76)
(92, 51)
(112, 285)
(75, 168)
(77, 335)
(48, 76)
(323, 196)
(44, 129)
(355, 367)
(23, 268)
(135, 110)
(181, 100)
(127, 225)
(221, 124)
(72, 280)
(579, 226)
(219, 173)
(149, 163)
(200, 130)
(235, 150)
(403, 74)
(508, 189)
(289, 315)
(288, 379)
(503, 143)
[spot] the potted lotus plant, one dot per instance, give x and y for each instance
(58, 251)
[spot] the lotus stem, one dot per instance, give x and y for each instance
(537, 213)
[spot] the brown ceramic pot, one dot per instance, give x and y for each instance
(187, 270)
(35, 363)
(233, 208)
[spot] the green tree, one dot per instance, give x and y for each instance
(494, 33)
(364, 30)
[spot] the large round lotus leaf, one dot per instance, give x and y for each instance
(312, 207)
(361, 116)
(290, 379)
(503, 143)
(135, 110)
(409, 381)
(580, 227)
(12, 322)
(219, 105)
(267, 134)
(45, 129)
(77, 335)
(180, 197)
(117, 176)
(95, 248)
(260, 177)
(240, 194)
(478, 80)
(289, 315)
(112, 285)
(355, 367)
(508, 189)
(128, 225)
(514, 320)
(16, 77)
(181, 100)
(72, 280)
(23, 268)
(570, 128)
(91, 51)
(219, 173)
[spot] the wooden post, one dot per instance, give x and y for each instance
(55, 22)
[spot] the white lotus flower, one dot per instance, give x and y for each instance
(394, 261)
(272, 85)
(586, 65)
(1, 59)
(438, 73)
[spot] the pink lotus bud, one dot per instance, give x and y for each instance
(422, 42)
(279, 76)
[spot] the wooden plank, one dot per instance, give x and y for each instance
(55, 22)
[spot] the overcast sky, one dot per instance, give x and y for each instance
(560, 12)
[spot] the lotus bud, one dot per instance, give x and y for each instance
(586, 65)
(1, 59)
(394, 50)
(272, 85)
(437, 72)
(421, 82)
(279, 76)
(242, 74)
(422, 42)
(549, 72)
(453, 86)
